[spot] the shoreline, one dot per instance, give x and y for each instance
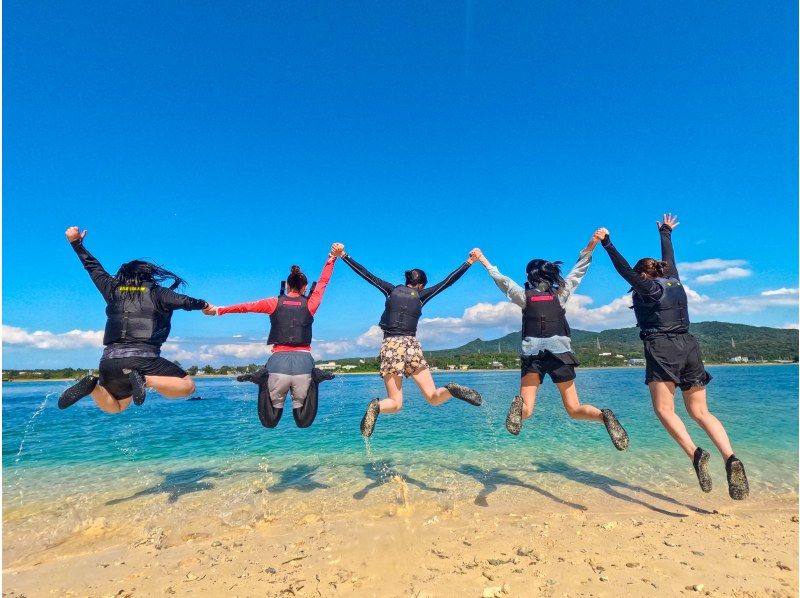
(440, 371)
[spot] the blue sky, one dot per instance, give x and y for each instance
(229, 141)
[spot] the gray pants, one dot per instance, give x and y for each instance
(289, 371)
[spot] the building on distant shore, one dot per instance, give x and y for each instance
(739, 359)
(331, 365)
(636, 362)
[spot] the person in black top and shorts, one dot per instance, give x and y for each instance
(673, 357)
(138, 311)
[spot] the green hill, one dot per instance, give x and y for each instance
(754, 342)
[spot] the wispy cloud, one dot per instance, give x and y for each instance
(726, 274)
(779, 292)
(713, 263)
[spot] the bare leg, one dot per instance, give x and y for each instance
(394, 388)
(569, 396)
(527, 390)
(663, 396)
(107, 403)
(170, 386)
(695, 401)
(434, 396)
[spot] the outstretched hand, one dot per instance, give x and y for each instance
(74, 234)
(670, 221)
(337, 250)
(210, 310)
(474, 255)
(600, 234)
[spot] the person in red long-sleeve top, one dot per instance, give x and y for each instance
(291, 366)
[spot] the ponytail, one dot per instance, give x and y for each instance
(651, 267)
(296, 279)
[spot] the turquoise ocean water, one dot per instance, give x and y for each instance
(214, 454)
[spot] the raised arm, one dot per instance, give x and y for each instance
(578, 271)
(382, 285)
(101, 279)
(667, 252)
(314, 301)
(429, 293)
(510, 288)
(621, 265)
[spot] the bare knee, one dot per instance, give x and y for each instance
(527, 411)
(664, 411)
(573, 410)
(698, 414)
(190, 385)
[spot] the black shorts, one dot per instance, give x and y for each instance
(117, 383)
(560, 366)
(674, 358)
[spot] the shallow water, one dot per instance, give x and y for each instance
(64, 468)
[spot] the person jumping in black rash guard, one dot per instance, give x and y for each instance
(672, 355)
(401, 353)
(139, 311)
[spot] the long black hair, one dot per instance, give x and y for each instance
(133, 274)
(543, 271)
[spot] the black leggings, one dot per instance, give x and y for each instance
(303, 416)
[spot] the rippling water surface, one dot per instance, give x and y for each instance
(213, 453)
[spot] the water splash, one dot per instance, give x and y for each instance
(29, 426)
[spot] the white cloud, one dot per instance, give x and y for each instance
(726, 274)
(781, 291)
(713, 263)
(441, 331)
(43, 339)
(793, 325)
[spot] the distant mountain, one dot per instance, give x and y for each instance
(755, 342)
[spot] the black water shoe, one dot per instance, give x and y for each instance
(256, 377)
(318, 375)
(138, 389)
(738, 488)
(619, 437)
(700, 462)
(82, 388)
(464, 393)
(371, 415)
(514, 417)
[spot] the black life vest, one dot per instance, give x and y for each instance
(402, 312)
(290, 323)
(543, 316)
(668, 314)
(134, 315)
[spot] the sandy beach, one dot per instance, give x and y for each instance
(511, 543)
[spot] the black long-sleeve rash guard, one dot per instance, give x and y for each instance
(644, 287)
(167, 299)
(385, 287)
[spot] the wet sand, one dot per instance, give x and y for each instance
(503, 542)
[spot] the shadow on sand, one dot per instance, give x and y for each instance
(382, 472)
(612, 487)
(177, 483)
(492, 479)
(298, 477)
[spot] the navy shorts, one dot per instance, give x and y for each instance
(559, 366)
(674, 358)
(117, 383)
